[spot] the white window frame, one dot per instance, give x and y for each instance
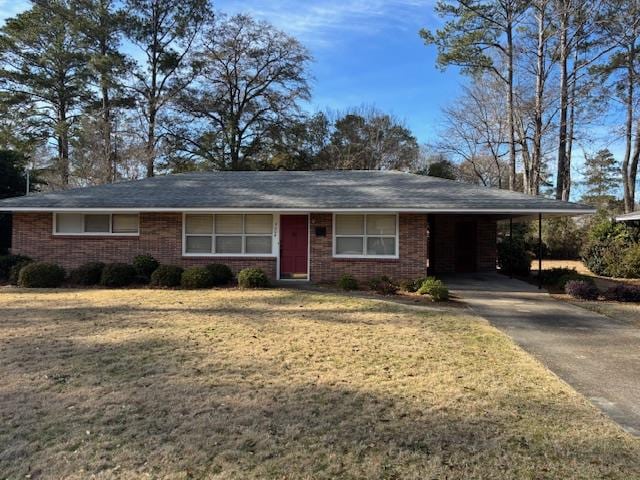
(110, 233)
(274, 237)
(364, 236)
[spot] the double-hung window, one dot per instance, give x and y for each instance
(370, 235)
(96, 223)
(228, 234)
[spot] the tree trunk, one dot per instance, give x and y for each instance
(564, 168)
(510, 108)
(151, 141)
(629, 189)
(633, 170)
(63, 146)
(536, 160)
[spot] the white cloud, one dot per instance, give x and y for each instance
(318, 22)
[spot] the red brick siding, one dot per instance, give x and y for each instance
(443, 260)
(160, 236)
(412, 248)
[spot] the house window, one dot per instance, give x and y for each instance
(228, 234)
(365, 235)
(96, 223)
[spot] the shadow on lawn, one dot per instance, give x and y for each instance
(156, 406)
(74, 406)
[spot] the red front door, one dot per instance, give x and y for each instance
(294, 246)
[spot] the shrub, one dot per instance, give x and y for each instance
(383, 285)
(562, 237)
(14, 272)
(9, 261)
(145, 265)
(41, 275)
(435, 288)
(623, 293)
(562, 281)
(606, 248)
(252, 278)
(630, 265)
(196, 277)
(220, 273)
(412, 285)
(581, 289)
(347, 282)
(553, 275)
(167, 276)
(117, 275)
(87, 274)
(513, 257)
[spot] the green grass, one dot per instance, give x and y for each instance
(281, 384)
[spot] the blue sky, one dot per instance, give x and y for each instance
(366, 52)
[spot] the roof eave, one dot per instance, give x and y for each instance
(485, 211)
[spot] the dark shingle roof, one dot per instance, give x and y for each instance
(310, 190)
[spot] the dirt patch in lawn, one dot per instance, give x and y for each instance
(281, 384)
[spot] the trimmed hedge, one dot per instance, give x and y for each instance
(581, 289)
(435, 288)
(117, 275)
(87, 274)
(552, 276)
(347, 282)
(145, 265)
(220, 273)
(41, 275)
(252, 278)
(7, 262)
(166, 276)
(383, 285)
(196, 277)
(623, 293)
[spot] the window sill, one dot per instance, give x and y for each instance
(94, 236)
(365, 259)
(247, 256)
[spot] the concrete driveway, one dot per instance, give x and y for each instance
(598, 356)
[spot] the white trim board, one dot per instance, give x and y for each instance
(487, 211)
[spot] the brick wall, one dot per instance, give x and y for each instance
(411, 264)
(444, 254)
(160, 236)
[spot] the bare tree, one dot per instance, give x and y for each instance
(165, 32)
(252, 80)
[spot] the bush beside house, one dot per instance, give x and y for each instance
(196, 277)
(117, 275)
(41, 275)
(87, 274)
(252, 278)
(166, 276)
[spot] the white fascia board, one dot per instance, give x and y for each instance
(502, 211)
(628, 217)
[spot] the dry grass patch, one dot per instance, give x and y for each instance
(281, 384)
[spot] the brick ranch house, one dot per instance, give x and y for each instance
(314, 225)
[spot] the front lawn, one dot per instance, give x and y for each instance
(281, 384)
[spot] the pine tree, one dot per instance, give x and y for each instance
(601, 179)
(43, 72)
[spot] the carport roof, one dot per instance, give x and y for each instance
(293, 191)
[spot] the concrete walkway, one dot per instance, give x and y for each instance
(598, 356)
